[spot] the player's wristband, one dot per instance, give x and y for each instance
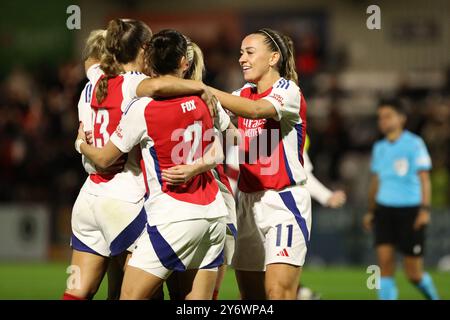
(78, 143)
(425, 207)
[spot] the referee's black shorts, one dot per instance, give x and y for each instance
(395, 226)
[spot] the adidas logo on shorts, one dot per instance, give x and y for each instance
(283, 253)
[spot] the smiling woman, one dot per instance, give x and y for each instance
(268, 263)
(281, 56)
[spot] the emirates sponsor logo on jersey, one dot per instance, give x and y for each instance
(193, 142)
(253, 127)
(253, 132)
(249, 123)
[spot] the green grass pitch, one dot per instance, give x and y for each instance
(47, 281)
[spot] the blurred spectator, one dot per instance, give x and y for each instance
(38, 123)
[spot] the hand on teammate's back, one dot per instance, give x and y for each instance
(81, 132)
(89, 137)
(179, 174)
(116, 167)
(210, 100)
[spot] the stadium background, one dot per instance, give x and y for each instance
(344, 69)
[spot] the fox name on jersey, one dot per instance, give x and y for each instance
(151, 123)
(188, 106)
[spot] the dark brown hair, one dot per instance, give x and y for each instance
(124, 38)
(398, 105)
(164, 52)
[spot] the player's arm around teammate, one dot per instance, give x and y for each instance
(268, 262)
(145, 272)
(178, 283)
(182, 173)
(162, 86)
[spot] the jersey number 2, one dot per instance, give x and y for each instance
(193, 133)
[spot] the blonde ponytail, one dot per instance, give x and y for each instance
(196, 62)
(95, 45)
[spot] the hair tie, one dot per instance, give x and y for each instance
(273, 40)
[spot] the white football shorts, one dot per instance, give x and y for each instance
(179, 246)
(274, 227)
(106, 226)
(230, 219)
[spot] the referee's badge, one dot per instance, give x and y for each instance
(401, 166)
